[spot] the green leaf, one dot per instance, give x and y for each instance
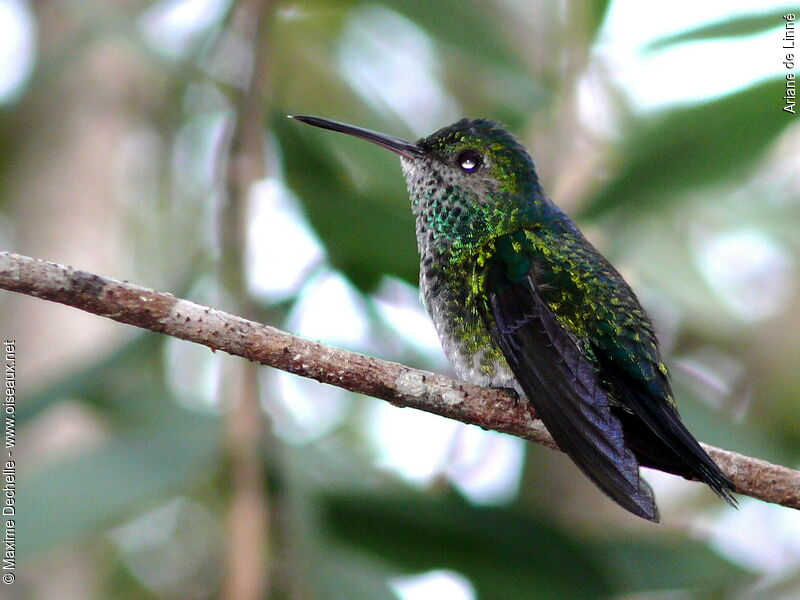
(666, 562)
(504, 554)
(692, 146)
(749, 24)
(345, 574)
(78, 496)
(113, 384)
(453, 22)
(509, 555)
(597, 10)
(156, 446)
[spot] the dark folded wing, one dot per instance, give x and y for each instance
(562, 386)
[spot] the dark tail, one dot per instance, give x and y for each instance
(682, 456)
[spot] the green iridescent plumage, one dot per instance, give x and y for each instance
(522, 300)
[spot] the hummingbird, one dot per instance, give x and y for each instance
(522, 300)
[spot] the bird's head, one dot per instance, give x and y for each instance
(469, 181)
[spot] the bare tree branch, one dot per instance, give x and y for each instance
(396, 383)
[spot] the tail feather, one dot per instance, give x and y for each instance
(679, 453)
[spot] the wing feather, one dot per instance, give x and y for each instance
(564, 389)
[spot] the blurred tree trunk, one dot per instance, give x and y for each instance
(63, 180)
(62, 200)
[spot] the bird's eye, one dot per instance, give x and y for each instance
(469, 161)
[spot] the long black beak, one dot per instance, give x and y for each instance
(396, 145)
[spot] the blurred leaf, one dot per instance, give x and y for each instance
(504, 555)
(738, 26)
(367, 229)
(508, 555)
(112, 384)
(597, 10)
(453, 22)
(156, 446)
(691, 146)
(509, 95)
(333, 571)
(666, 562)
(77, 496)
(344, 574)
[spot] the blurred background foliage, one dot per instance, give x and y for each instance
(116, 127)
